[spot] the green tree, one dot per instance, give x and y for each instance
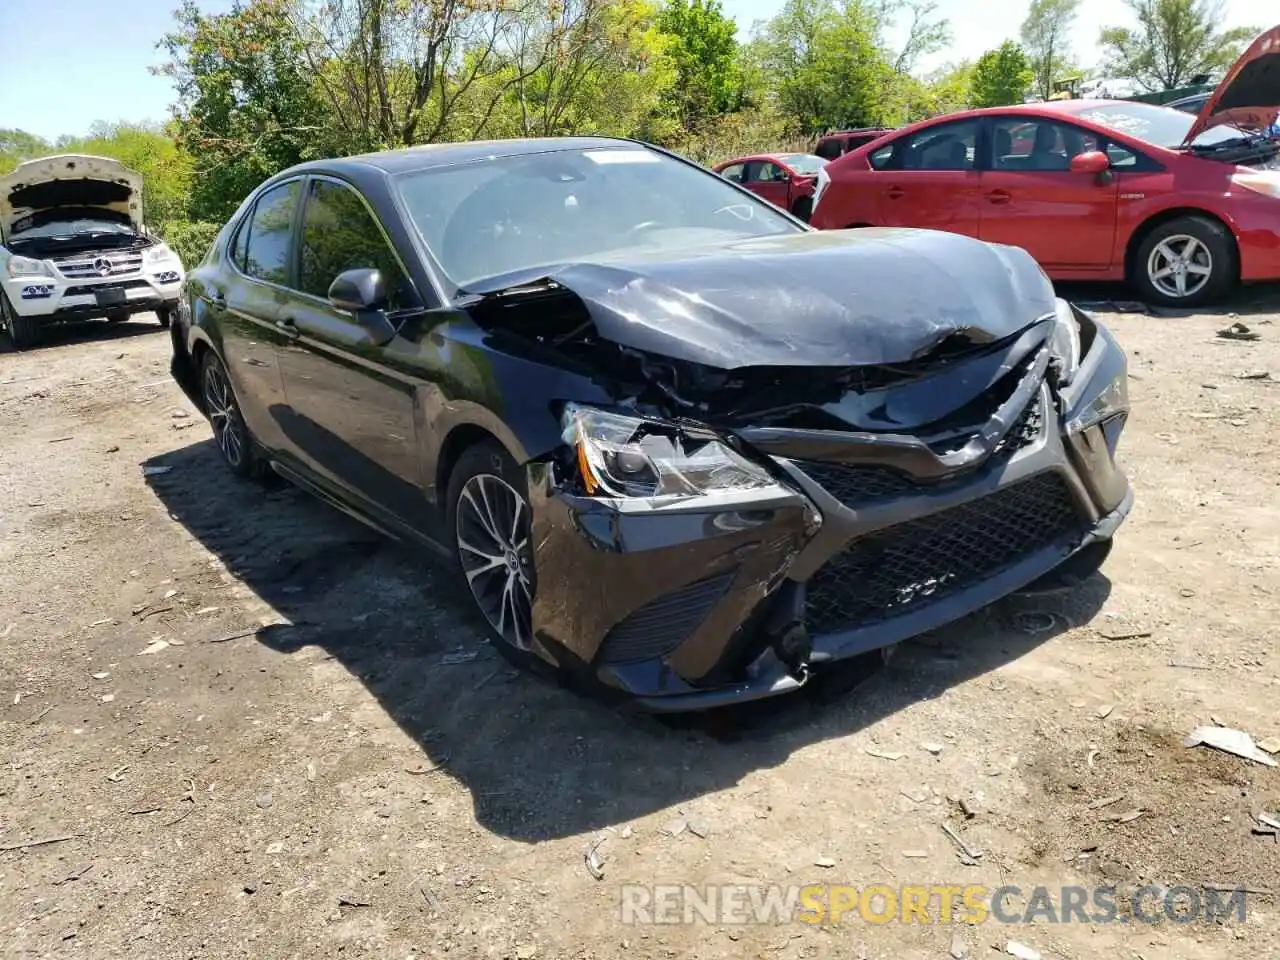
(828, 69)
(704, 50)
(152, 151)
(1175, 40)
(18, 145)
(950, 88)
(1046, 41)
(247, 102)
(1002, 76)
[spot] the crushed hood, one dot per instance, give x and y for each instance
(1249, 95)
(830, 298)
(69, 180)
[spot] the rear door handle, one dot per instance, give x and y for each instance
(895, 193)
(999, 196)
(288, 328)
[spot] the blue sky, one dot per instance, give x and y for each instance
(76, 61)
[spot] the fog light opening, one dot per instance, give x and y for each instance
(794, 648)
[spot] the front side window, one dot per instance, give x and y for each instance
(269, 245)
(495, 216)
(1027, 145)
(339, 233)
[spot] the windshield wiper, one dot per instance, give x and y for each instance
(1244, 141)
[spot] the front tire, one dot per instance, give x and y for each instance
(1185, 262)
(489, 519)
(235, 444)
(803, 208)
(23, 331)
(165, 316)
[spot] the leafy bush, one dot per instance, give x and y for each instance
(190, 239)
(740, 134)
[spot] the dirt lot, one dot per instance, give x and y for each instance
(332, 788)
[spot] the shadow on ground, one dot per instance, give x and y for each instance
(1117, 297)
(85, 331)
(540, 761)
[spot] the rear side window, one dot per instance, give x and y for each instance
(733, 173)
(946, 146)
(269, 246)
(828, 148)
(339, 233)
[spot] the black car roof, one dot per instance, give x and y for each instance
(429, 155)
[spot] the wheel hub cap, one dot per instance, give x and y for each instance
(493, 532)
(1180, 266)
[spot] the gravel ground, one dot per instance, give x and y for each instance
(334, 784)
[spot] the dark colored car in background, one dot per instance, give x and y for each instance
(784, 179)
(1181, 206)
(675, 442)
(837, 144)
(1192, 104)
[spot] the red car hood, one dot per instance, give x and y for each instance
(1249, 95)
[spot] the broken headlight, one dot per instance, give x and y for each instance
(1111, 400)
(1064, 342)
(623, 456)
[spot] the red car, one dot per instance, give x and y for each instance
(1182, 206)
(784, 179)
(832, 145)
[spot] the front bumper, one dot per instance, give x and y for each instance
(714, 604)
(58, 299)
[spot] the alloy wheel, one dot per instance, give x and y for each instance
(493, 533)
(1179, 266)
(224, 417)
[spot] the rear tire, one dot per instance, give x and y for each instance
(114, 318)
(23, 331)
(1195, 254)
(235, 444)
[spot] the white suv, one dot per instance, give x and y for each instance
(72, 247)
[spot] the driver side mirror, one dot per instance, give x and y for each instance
(363, 294)
(1091, 163)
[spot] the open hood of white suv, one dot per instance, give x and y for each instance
(1248, 97)
(69, 180)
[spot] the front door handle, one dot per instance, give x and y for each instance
(288, 328)
(217, 299)
(895, 193)
(999, 196)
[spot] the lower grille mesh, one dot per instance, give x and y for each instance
(663, 624)
(920, 561)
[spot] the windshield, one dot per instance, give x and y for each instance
(497, 216)
(805, 164)
(1159, 125)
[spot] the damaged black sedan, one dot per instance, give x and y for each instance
(674, 441)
